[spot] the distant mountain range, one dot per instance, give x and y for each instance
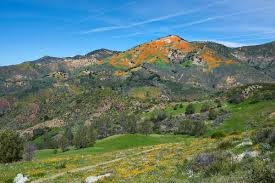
(168, 68)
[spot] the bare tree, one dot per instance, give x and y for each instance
(29, 150)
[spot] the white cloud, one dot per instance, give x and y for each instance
(229, 43)
(220, 17)
(157, 19)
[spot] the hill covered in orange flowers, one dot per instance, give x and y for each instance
(170, 49)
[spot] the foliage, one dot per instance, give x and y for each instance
(225, 144)
(218, 134)
(84, 137)
(265, 135)
(145, 126)
(213, 113)
(190, 109)
(69, 134)
(205, 107)
(63, 142)
(11, 146)
(260, 172)
(194, 128)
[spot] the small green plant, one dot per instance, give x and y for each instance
(212, 114)
(225, 144)
(218, 134)
(61, 165)
(190, 109)
(205, 107)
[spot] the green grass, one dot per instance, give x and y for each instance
(117, 142)
(47, 163)
(246, 116)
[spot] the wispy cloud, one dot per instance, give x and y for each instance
(157, 19)
(204, 20)
(129, 35)
(229, 43)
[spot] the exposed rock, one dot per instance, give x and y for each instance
(247, 154)
(93, 179)
(48, 124)
(204, 159)
(245, 143)
(20, 178)
(272, 115)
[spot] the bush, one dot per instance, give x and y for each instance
(61, 165)
(190, 109)
(218, 134)
(205, 107)
(212, 114)
(260, 172)
(213, 163)
(11, 146)
(85, 137)
(218, 102)
(225, 144)
(235, 99)
(189, 127)
(145, 127)
(266, 135)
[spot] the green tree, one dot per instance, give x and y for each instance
(80, 138)
(190, 109)
(11, 146)
(146, 127)
(63, 143)
(69, 135)
(91, 136)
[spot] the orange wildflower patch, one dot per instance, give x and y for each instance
(120, 73)
(159, 49)
(214, 61)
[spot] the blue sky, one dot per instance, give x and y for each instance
(30, 29)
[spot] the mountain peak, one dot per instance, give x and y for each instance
(171, 38)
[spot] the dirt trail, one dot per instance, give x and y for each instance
(86, 168)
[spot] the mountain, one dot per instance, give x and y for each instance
(54, 90)
(21, 77)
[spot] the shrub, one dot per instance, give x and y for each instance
(63, 143)
(61, 165)
(190, 109)
(264, 135)
(225, 144)
(11, 146)
(260, 172)
(218, 134)
(265, 147)
(205, 107)
(145, 127)
(218, 102)
(212, 114)
(158, 116)
(235, 99)
(189, 127)
(213, 163)
(84, 137)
